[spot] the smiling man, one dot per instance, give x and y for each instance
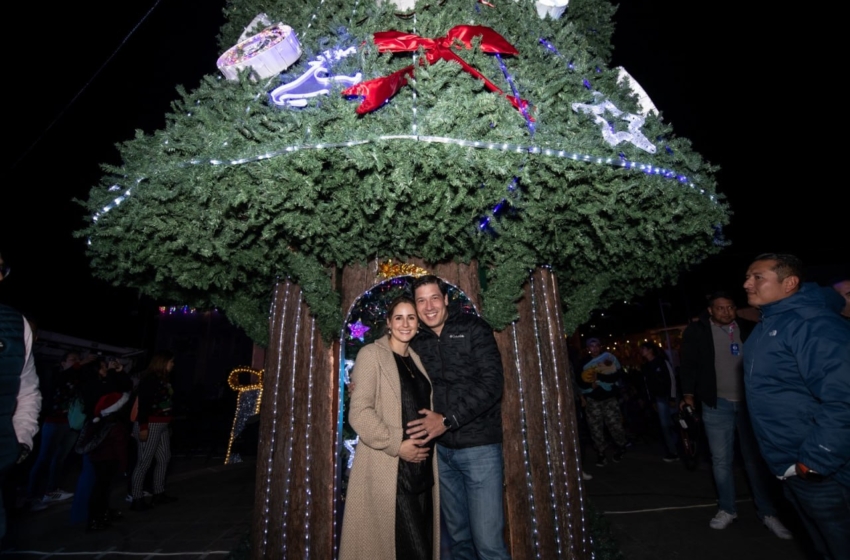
(461, 357)
(797, 379)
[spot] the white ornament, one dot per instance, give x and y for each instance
(315, 81)
(267, 53)
(402, 5)
(633, 135)
(552, 8)
(351, 445)
(644, 102)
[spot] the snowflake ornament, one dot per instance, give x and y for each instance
(633, 135)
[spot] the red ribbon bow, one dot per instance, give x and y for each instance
(379, 90)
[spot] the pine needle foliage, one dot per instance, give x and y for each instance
(233, 195)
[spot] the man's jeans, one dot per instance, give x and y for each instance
(824, 508)
(721, 423)
(471, 501)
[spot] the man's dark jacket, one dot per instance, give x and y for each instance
(465, 368)
(697, 364)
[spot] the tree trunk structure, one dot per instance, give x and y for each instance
(295, 512)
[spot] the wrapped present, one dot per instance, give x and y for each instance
(267, 53)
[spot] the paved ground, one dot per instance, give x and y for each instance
(209, 520)
(660, 511)
(657, 511)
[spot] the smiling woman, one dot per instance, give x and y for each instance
(392, 505)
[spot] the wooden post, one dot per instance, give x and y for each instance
(294, 507)
(543, 492)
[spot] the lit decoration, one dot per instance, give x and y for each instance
(346, 374)
(646, 168)
(358, 330)
(378, 91)
(315, 81)
(267, 53)
(177, 309)
(350, 444)
(401, 5)
(552, 8)
(563, 461)
(247, 405)
(389, 269)
(633, 135)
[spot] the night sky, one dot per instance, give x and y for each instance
(724, 79)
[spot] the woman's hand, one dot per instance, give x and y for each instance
(411, 451)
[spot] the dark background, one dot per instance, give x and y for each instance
(745, 87)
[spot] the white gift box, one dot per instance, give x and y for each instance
(267, 53)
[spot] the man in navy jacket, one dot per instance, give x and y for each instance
(797, 378)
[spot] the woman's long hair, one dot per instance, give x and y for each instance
(158, 365)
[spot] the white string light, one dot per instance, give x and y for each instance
(290, 437)
(646, 168)
(559, 328)
(538, 341)
(307, 488)
(525, 452)
(275, 401)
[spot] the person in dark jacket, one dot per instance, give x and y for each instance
(151, 429)
(460, 354)
(797, 378)
(711, 370)
(661, 386)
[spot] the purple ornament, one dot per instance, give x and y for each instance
(358, 330)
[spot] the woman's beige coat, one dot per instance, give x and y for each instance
(368, 526)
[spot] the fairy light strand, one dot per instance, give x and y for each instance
(288, 458)
(645, 168)
(559, 367)
(275, 402)
(525, 451)
(307, 478)
(559, 326)
(538, 341)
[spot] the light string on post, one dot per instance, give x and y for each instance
(538, 341)
(275, 402)
(559, 328)
(525, 451)
(288, 458)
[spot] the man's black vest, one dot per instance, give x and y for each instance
(12, 359)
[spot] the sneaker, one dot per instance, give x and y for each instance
(586, 476)
(37, 505)
(618, 455)
(722, 520)
(58, 496)
(670, 458)
(601, 461)
(776, 527)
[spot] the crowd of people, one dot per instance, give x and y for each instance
(118, 422)
(426, 404)
(87, 405)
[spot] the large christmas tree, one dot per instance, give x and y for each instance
(236, 192)
(489, 143)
